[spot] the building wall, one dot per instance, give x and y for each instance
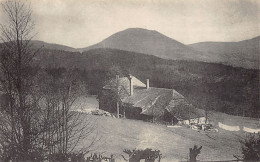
(169, 119)
(132, 112)
(107, 102)
(201, 120)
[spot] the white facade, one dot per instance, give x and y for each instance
(201, 120)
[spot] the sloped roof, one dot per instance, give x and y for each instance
(154, 101)
(181, 109)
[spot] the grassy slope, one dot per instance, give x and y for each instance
(174, 143)
(234, 120)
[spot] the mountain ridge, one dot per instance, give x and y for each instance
(253, 38)
(52, 46)
(38, 44)
(150, 42)
(244, 54)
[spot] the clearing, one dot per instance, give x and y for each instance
(174, 142)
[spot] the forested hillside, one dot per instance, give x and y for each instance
(242, 54)
(206, 85)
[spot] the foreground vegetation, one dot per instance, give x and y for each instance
(251, 147)
(35, 117)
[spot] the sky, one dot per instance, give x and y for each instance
(80, 23)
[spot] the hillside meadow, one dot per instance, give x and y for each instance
(114, 135)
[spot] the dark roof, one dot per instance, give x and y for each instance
(152, 100)
(155, 101)
(181, 109)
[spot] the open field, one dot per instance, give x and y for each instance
(173, 142)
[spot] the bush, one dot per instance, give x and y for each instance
(251, 147)
(61, 157)
(148, 155)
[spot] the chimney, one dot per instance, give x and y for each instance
(131, 87)
(147, 84)
(117, 82)
(117, 78)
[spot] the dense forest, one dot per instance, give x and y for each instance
(208, 86)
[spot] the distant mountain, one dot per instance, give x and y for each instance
(52, 46)
(243, 54)
(151, 42)
(239, 54)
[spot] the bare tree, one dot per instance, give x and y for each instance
(113, 95)
(64, 128)
(35, 120)
(16, 80)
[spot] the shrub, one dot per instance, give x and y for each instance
(148, 155)
(251, 147)
(61, 157)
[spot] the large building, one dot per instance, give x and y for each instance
(137, 100)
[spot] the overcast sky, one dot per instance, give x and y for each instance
(80, 23)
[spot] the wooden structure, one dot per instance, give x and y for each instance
(140, 101)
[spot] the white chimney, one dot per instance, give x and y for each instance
(117, 78)
(131, 86)
(117, 82)
(147, 84)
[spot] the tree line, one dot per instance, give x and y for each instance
(210, 86)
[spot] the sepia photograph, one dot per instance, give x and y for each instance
(129, 80)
